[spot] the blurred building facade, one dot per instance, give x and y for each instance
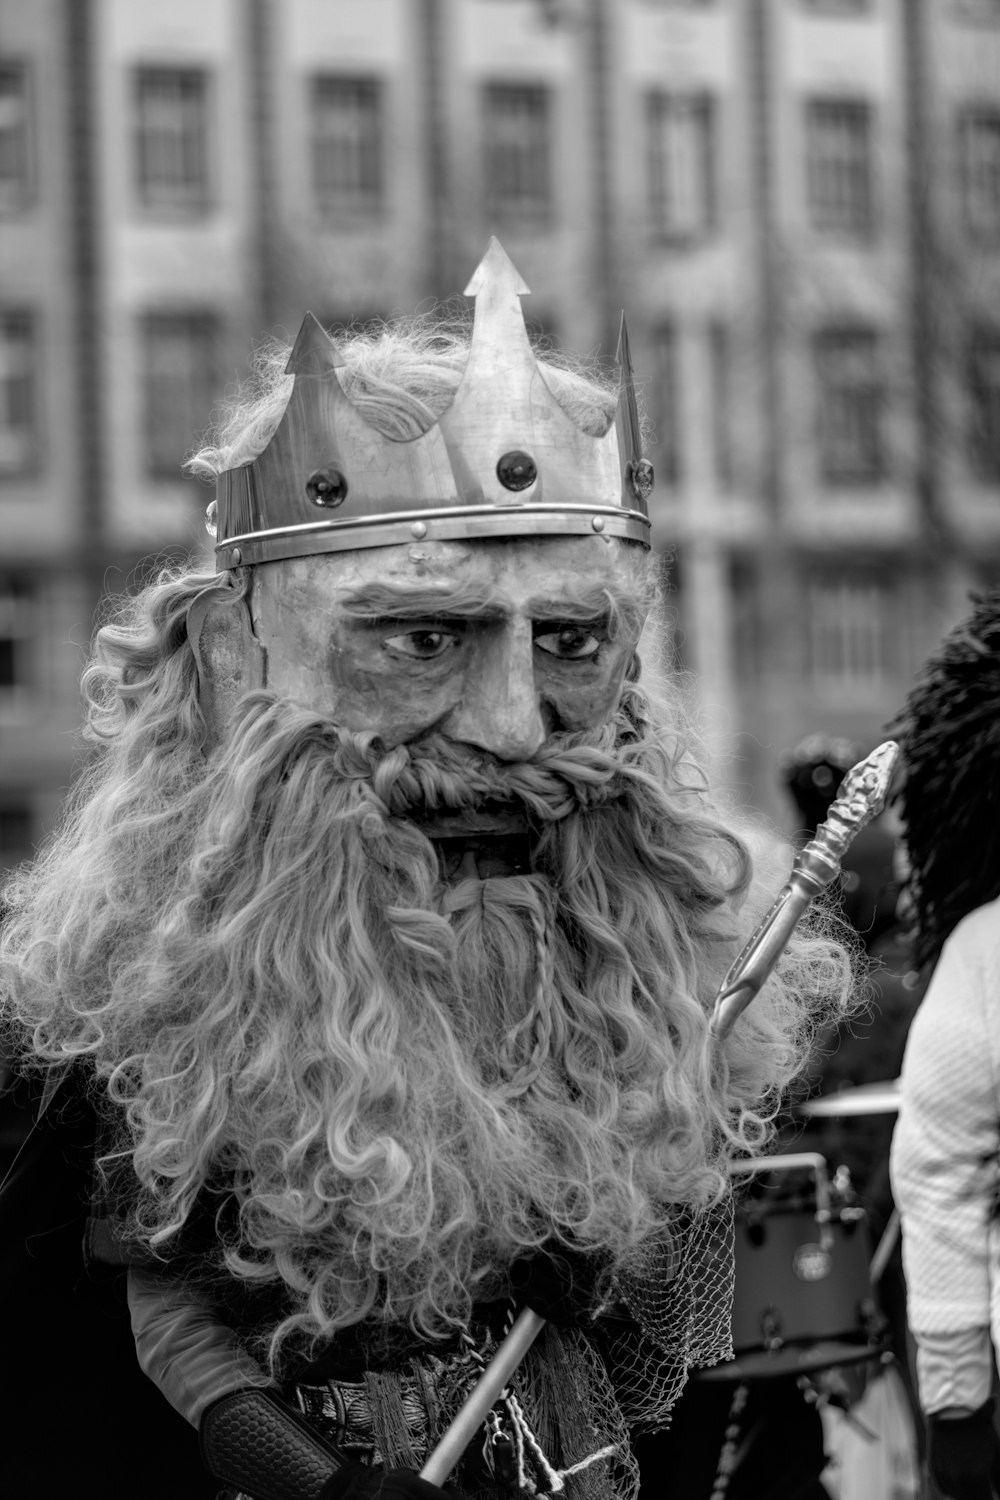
(797, 201)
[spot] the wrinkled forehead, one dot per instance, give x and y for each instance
(572, 577)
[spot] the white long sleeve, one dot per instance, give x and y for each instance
(945, 1154)
(954, 1370)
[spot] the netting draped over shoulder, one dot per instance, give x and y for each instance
(678, 1290)
(581, 1395)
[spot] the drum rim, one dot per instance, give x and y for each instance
(794, 1357)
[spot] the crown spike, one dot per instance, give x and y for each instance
(627, 416)
(498, 324)
(496, 272)
(501, 425)
(314, 351)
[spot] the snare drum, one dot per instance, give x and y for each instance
(803, 1298)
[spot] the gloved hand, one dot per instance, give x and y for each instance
(364, 1482)
(258, 1443)
(960, 1452)
(557, 1283)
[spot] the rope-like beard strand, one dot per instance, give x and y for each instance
(405, 1084)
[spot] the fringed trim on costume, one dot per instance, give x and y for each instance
(526, 1442)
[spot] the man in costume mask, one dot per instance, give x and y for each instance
(386, 929)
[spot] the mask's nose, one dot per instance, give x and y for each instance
(500, 711)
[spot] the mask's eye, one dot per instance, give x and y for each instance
(570, 642)
(423, 645)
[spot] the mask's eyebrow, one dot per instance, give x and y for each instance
(566, 600)
(618, 607)
(408, 601)
(585, 603)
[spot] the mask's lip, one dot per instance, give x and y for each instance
(454, 823)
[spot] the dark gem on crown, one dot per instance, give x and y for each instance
(326, 487)
(516, 470)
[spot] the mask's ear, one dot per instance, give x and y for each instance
(230, 659)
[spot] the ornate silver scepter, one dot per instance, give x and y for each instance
(861, 797)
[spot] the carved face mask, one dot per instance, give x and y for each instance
(495, 644)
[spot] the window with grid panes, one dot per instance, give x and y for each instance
(680, 164)
(745, 617)
(984, 393)
(517, 152)
(666, 403)
(720, 368)
(850, 631)
(18, 629)
(979, 156)
(20, 444)
(17, 170)
(983, 11)
(171, 139)
(850, 400)
(347, 144)
(838, 7)
(839, 166)
(178, 385)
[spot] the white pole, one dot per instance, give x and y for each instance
(526, 1328)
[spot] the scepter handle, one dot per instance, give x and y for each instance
(483, 1396)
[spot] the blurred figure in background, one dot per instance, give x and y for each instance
(868, 1050)
(812, 773)
(946, 1147)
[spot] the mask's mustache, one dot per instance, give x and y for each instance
(431, 776)
(436, 776)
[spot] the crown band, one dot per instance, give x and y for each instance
(442, 524)
(503, 459)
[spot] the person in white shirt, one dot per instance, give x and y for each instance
(946, 1147)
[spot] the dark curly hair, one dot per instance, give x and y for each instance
(950, 799)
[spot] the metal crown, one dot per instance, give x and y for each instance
(503, 460)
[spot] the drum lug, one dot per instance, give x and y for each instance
(770, 1325)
